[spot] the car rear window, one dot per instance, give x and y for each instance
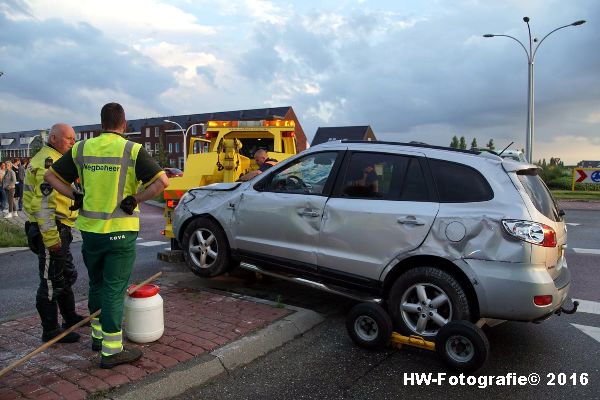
(539, 194)
(459, 183)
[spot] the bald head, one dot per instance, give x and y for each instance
(261, 156)
(62, 137)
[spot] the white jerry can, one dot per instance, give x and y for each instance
(144, 315)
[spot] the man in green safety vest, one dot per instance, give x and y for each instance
(110, 169)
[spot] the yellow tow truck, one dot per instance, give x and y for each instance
(224, 154)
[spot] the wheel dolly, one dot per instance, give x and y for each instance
(462, 345)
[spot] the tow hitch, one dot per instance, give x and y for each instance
(564, 310)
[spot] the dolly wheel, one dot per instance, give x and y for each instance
(369, 326)
(462, 345)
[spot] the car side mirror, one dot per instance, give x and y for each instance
(259, 186)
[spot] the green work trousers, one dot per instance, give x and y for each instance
(109, 258)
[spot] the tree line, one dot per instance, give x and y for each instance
(461, 143)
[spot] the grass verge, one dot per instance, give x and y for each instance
(582, 196)
(12, 235)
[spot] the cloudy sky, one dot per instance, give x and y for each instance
(412, 69)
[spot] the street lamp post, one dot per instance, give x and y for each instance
(530, 87)
(184, 133)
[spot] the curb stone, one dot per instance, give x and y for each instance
(224, 359)
(4, 250)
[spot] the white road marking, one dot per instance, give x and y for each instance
(589, 307)
(139, 238)
(153, 243)
(589, 330)
(572, 224)
(586, 251)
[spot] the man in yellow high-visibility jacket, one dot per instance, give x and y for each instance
(110, 169)
(49, 233)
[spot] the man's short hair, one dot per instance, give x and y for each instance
(261, 152)
(112, 116)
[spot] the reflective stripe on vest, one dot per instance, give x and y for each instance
(105, 217)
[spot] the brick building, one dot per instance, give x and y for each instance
(151, 132)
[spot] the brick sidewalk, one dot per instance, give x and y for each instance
(196, 322)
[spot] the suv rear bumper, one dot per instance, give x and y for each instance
(506, 290)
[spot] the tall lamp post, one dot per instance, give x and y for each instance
(185, 133)
(530, 91)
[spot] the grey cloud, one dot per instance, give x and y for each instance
(50, 61)
(18, 7)
(433, 73)
(208, 73)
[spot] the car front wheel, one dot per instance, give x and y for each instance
(424, 299)
(205, 248)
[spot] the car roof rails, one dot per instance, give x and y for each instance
(413, 144)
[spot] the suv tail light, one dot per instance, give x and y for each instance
(531, 232)
(542, 300)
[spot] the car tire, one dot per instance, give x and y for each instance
(423, 299)
(369, 326)
(462, 346)
(205, 248)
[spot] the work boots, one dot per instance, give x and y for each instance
(71, 337)
(49, 316)
(124, 357)
(74, 320)
(96, 344)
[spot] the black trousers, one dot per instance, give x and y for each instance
(57, 276)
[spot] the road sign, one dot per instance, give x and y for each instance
(585, 175)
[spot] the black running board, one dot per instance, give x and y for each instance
(315, 285)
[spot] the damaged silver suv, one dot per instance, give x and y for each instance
(437, 234)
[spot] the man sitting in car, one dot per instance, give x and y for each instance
(364, 182)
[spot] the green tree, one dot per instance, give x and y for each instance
(463, 143)
(454, 143)
(161, 155)
(474, 144)
(490, 145)
(36, 145)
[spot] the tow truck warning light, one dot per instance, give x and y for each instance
(284, 123)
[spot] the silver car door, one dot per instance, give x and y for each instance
(282, 220)
(364, 229)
